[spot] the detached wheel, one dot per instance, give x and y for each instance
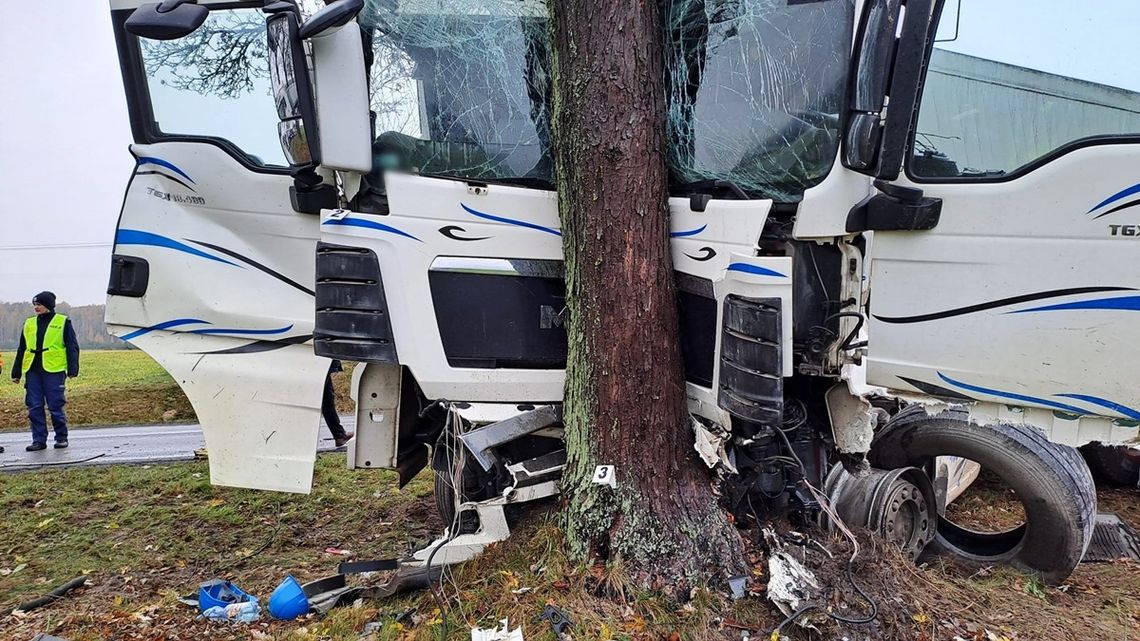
(1051, 481)
(1114, 465)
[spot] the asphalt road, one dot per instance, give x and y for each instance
(124, 444)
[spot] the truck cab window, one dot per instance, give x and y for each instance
(460, 89)
(1011, 84)
(753, 90)
(214, 84)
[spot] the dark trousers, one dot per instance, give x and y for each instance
(45, 388)
(328, 409)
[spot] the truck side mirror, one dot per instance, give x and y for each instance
(167, 20)
(292, 92)
(334, 15)
(888, 63)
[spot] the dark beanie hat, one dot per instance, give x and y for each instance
(47, 299)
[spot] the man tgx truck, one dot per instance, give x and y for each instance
(904, 238)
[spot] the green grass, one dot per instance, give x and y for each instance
(100, 370)
(113, 387)
(145, 534)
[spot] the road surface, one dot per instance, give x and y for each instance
(125, 444)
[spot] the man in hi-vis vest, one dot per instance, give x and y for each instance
(48, 352)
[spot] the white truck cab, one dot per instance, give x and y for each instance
(874, 205)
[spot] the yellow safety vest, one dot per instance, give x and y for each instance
(54, 353)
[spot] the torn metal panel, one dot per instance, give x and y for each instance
(853, 420)
(791, 585)
(711, 443)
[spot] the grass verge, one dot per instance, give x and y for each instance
(144, 535)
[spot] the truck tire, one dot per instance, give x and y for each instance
(1051, 481)
(445, 493)
(1114, 465)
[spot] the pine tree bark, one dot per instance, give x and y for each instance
(625, 392)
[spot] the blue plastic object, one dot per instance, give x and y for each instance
(218, 593)
(288, 600)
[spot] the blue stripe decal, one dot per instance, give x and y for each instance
(165, 325)
(1013, 396)
(219, 330)
(1124, 193)
(510, 221)
(691, 232)
(749, 268)
(136, 237)
(1126, 303)
(150, 160)
(369, 224)
(1103, 402)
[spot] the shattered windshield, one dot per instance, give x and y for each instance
(755, 88)
(461, 88)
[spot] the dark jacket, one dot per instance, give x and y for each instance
(69, 342)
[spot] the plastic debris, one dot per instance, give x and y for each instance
(557, 618)
(288, 600)
(219, 593)
(500, 633)
(738, 584)
(244, 612)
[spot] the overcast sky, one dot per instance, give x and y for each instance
(63, 148)
(64, 132)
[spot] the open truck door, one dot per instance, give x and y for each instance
(1004, 224)
(212, 272)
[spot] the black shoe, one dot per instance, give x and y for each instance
(59, 445)
(35, 447)
(341, 441)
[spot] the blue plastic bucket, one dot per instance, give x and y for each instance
(220, 593)
(288, 600)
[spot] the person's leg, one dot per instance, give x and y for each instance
(54, 392)
(328, 410)
(34, 399)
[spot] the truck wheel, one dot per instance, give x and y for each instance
(473, 489)
(1051, 481)
(1115, 465)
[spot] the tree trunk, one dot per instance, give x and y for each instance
(625, 393)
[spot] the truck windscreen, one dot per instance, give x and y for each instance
(462, 88)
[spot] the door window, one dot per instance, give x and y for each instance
(214, 83)
(1013, 83)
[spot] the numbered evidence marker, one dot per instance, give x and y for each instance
(605, 475)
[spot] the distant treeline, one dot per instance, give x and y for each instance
(87, 320)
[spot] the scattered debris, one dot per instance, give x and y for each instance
(50, 597)
(557, 618)
(497, 634)
(288, 600)
(738, 585)
(218, 593)
(791, 585)
(338, 551)
(243, 612)
(1112, 540)
(710, 442)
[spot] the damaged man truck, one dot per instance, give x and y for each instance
(904, 235)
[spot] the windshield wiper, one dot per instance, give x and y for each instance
(713, 185)
(531, 182)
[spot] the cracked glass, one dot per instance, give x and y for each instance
(461, 88)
